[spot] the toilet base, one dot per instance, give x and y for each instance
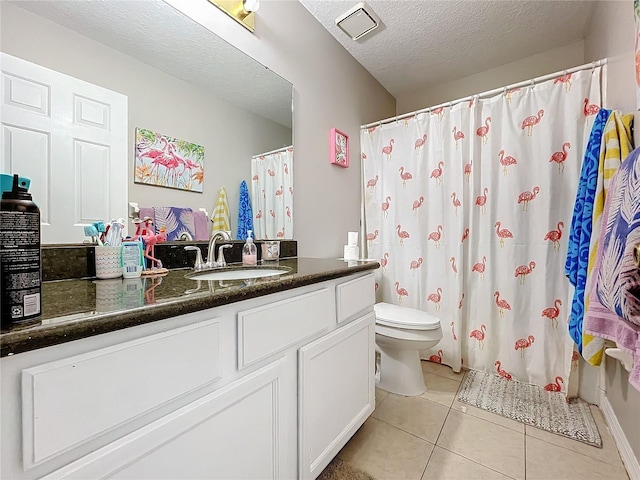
(401, 372)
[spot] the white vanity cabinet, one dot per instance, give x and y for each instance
(270, 387)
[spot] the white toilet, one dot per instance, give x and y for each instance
(401, 333)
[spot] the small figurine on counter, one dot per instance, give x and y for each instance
(145, 233)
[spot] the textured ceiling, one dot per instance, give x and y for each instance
(423, 43)
(158, 35)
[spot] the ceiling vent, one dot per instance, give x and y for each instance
(358, 21)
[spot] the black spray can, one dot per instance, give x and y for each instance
(20, 266)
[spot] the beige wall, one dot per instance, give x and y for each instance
(331, 90)
(158, 102)
(611, 35)
(530, 67)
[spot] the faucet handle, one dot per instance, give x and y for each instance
(199, 264)
(221, 260)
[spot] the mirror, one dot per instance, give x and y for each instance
(181, 81)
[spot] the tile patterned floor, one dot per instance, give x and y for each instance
(436, 437)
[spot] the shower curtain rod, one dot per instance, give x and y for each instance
(491, 93)
(282, 149)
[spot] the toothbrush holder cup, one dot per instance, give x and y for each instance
(108, 262)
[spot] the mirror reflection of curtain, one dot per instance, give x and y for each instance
(272, 194)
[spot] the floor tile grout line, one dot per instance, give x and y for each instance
(436, 443)
(476, 462)
(402, 430)
(573, 451)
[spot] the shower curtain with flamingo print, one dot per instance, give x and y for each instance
(272, 194)
(467, 208)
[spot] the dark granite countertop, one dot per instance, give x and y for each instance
(79, 308)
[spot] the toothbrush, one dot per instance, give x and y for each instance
(101, 229)
(91, 231)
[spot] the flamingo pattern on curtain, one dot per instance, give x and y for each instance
(272, 194)
(467, 208)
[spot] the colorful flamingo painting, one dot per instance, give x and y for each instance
(404, 176)
(385, 206)
(479, 335)
(501, 304)
(456, 202)
(554, 386)
(523, 270)
(481, 200)
(437, 358)
(589, 109)
(555, 236)
(401, 292)
(457, 135)
(436, 298)
(402, 234)
(552, 313)
(417, 204)
(531, 122)
(502, 233)
(483, 132)
(480, 267)
(523, 343)
(420, 143)
(560, 157)
(506, 161)
(525, 197)
(387, 149)
(437, 173)
(503, 373)
(436, 236)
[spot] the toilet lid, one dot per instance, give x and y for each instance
(403, 317)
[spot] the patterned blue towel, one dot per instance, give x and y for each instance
(577, 261)
(176, 220)
(245, 214)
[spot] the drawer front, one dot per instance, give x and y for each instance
(355, 296)
(70, 401)
(266, 330)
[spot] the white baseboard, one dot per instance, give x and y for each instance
(628, 457)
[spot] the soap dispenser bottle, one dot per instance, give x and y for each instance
(249, 251)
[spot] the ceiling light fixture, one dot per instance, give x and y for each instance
(242, 11)
(358, 21)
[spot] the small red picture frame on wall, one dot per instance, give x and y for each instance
(339, 148)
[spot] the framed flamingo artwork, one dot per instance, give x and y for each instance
(165, 161)
(339, 148)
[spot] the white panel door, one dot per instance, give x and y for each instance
(336, 392)
(70, 138)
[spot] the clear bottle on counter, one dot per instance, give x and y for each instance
(249, 251)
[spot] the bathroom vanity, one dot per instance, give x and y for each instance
(266, 380)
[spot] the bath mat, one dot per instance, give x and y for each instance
(341, 470)
(531, 405)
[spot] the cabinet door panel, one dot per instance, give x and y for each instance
(71, 401)
(336, 392)
(235, 432)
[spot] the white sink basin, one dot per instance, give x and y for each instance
(237, 274)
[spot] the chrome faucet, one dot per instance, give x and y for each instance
(221, 262)
(199, 264)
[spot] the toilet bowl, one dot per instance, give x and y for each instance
(401, 333)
